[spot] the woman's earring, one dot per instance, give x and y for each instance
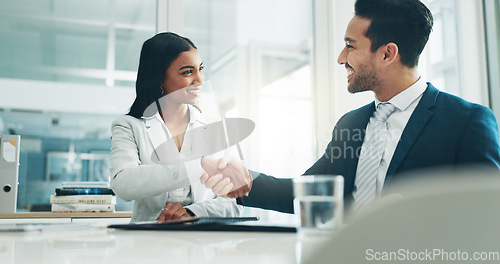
(162, 90)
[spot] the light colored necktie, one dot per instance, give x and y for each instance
(370, 158)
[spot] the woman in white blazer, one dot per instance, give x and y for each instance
(147, 146)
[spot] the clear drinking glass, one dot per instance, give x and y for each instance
(319, 203)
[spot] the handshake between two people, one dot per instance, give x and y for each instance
(227, 177)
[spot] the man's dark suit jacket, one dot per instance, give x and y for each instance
(443, 130)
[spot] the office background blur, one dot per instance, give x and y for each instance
(68, 68)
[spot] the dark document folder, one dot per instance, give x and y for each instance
(247, 224)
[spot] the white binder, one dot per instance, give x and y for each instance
(9, 172)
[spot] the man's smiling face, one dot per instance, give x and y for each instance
(358, 58)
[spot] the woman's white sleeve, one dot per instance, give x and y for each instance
(132, 180)
(217, 207)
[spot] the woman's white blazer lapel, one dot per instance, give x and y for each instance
(162, 151)
(165, 151)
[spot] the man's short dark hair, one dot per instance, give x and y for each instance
(407, 23)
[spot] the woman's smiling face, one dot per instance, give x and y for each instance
(184, 78)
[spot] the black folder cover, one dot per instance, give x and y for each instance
(245, 224)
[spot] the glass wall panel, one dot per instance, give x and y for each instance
(257, 56)
(54, 40)
(455, 59)
(442, 66)
(71, 45)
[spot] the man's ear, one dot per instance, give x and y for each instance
(390, 52)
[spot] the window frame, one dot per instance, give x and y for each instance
(492, 33)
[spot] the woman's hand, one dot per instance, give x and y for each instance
(172, 211)
(227, 177)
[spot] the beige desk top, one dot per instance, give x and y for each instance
(65, 215)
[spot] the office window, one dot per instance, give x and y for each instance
(492, 31)
(454, 59)
(58, 61)
(73, 41)
(443, 51)
(257, 57)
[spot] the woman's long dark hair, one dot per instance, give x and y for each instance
(157, 54)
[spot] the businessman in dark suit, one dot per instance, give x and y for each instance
(422, 127)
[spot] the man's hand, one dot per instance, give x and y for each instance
(172, 211)
(227, 177)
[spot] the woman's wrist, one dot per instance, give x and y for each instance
(190, 212)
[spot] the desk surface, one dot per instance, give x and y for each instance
(98, 244)
(65, 215)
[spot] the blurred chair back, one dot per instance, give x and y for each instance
(441, 216)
